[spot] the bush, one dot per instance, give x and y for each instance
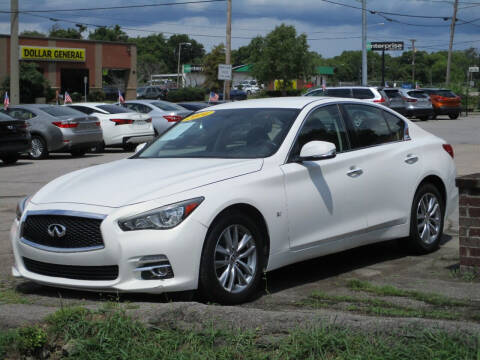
(97, 96)
(31, 339)
(32, 83)
(186, 94)
(278, 93)
(76, 97)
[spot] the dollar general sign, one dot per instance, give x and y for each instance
(51, 54)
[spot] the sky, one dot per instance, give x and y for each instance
(330, 28)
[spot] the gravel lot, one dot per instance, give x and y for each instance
(284, 288)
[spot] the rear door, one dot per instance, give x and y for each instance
(391, 165)
(342, 92)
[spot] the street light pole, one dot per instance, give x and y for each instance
(178, 67)
(364, 43)
(14, 56)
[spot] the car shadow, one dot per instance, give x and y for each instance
(18, 163)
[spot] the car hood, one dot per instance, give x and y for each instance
(131, 181)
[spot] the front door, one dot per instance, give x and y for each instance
(325, 198)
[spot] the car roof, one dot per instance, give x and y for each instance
(294, 102)
(90, 104)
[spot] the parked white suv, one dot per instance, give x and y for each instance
(120, 126)
(249, 86)
(368, 93)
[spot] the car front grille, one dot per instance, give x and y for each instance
(81, 233)
(94, 273)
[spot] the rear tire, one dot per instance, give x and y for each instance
(232, 274)
(78, 152)
(433, 117)
(99, 148)
(129, 147)
(424, 118)
(9, 159)
(39, 148)
(426, 220)
(453, 116)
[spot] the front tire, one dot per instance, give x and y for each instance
(9, 159)
(78, 152)
(426, 220)
(232, 260)
(424, 118)
(39, 148)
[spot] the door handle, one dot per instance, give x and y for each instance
(411, 159)
(355, 173)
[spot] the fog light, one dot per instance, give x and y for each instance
(154, 267)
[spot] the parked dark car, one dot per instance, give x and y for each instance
(14, 138)
(235, 94)
(151, 93)
(57, 128)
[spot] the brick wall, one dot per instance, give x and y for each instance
(469, 221)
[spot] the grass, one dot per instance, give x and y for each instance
(113, 335)
(10, 296)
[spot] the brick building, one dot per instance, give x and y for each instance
(66, 62)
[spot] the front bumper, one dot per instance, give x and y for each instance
(72, 141)
(418, 112)
(182, 246)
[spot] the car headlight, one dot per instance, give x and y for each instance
(21, 206)
(165, 217)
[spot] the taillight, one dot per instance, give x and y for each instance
(97, 123)
(65, 124)
(121, 121)
(382, 100)
(23, 125)
(172, 118)
(149, 120)
(409, 100)
(449, 149)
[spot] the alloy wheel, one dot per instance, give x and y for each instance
(235, 258)
(428, 218)
(37, 149)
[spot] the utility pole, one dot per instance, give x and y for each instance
(364, 43)
(450, 46)
(14, 56)
(178, 66)
(228, 48)
(413, 61)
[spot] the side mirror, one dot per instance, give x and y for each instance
(317, 150)
(140, 147)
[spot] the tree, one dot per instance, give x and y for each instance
(151, 52)
(248, 54)
(190, 54)
(32, 83)
(104, 33)
(32, 33)
(210, 63)
(283, 56)
(70, 33)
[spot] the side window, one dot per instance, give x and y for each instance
(363, 94)
(396, 125)
(367, 125)
(132, 107)
(21, 114)
(315, 93)
(323, 124)
(144, 109)
(345, 93)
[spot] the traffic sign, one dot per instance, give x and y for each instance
(224, 72)
(473, 69)
(385, 45)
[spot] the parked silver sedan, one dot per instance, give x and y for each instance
(58, 129)
(164, 114)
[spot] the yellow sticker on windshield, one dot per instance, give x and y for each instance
(198, 115)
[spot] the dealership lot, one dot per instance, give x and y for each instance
(289, 284)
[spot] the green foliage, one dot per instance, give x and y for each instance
(32, 33)
(190, 54)
(249, 53)
(283, 56)
(278, 93)
(70, 33)
(210, 63)
(104, 33)
(96, 96)
(10, 296)
(186, 94)
(31, 339)
(76, 97)
(32, 83)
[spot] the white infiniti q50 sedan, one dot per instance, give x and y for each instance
(236, 190)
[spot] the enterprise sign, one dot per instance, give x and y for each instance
(385, 45)
(51, 54)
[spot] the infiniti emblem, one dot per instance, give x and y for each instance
(56, 230)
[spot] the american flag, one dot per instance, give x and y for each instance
(67, 98)
(6, 101)
(121, 100)
(213, 96)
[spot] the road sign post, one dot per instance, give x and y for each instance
(225, 74)
(384, 46)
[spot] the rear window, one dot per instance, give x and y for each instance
(315, 93)
(113, 109)
(417, 94)
(445, 93)
(60, 111)
(363, 94)
(167, 106)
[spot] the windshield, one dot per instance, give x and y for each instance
(166, 106)
(231, 133)
(141, 90)
(113, 109)
(61, 111)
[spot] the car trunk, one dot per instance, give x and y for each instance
(77, 124)
(12, 130)
(423, 100)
